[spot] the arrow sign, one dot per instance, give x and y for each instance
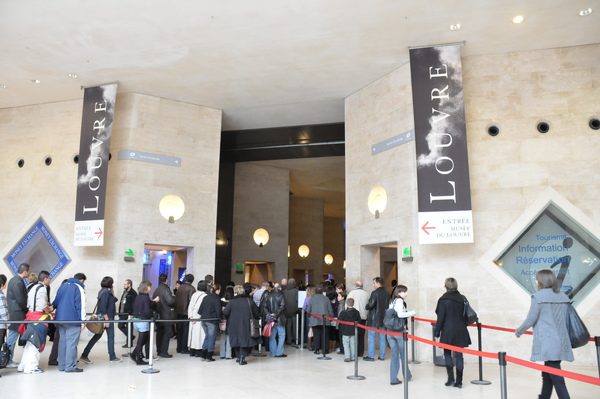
(425, 228)
(129, 252)
(99, 232)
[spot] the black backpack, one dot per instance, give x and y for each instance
(4, 355)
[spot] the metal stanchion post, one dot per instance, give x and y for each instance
(324, 342)
(355, 376)
(405, 362)
(260, 354)
(502, 361)
(151, 370)
(412, 343)
(597, 341)
(295, 341)
(302, 321)
(480, 381)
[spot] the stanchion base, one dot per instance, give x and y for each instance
(481, 382)
(356, 377)
(150, 371)
(414, 362)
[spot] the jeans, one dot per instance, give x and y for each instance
(277, 340)
(211, 330)
(550, 381)
(67, 347)
(371, 344)
(110, 335)
(349, 342)
(11, 341)
(398, 356)
(125, 329)
(225, 346)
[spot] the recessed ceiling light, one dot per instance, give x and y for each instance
(585, 12)
(455, 27)
(2, 86)
(36, 81)
(73, 75)
(518, 19)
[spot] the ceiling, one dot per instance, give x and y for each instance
(265, 63)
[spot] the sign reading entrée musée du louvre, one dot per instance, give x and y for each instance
(94, 149)
(444, 193)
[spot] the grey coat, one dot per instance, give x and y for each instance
(548, 317)
(319, 305)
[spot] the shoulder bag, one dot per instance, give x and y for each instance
(578, 333)
(392, 322)
(254, 324)
(469, 313)
(96, 328)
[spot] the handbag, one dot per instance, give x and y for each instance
(392, 322)
(578, 333)
(254, 325)
(96, 328)
(4, 355)
(267, 329)
(223, 325)
(469, 313)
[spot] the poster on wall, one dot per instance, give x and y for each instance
(94, 148)
(444, 193)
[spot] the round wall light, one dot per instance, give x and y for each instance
(377, 201)
(261, 237)
(171, 207)
(303, 251)
(328, 259)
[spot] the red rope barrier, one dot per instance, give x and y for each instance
(489, 355)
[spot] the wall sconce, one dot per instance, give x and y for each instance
(303, 251)
(171, 207)
(261, 237)
(328, 259)
(222, 241)
(289, 251)
(377, 201)
(344, 264)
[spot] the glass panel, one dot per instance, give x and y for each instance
(554, 241)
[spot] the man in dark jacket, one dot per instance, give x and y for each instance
(378, 303)
(182, 300)
(126, 309)
(274, 310)
(166, 311)
(210, 313)
(16, 298)
(291, 310)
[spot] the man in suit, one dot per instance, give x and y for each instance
(166, 311)
(182, 301)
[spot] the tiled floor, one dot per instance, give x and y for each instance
(300, 375)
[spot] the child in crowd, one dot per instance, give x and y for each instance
(348, 339)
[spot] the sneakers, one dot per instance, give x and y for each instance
(34, 371)
(85, 360)
(116, 360)
(368, 359)
(12, 365)
(347, 359)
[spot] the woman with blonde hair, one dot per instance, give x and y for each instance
(548, 317)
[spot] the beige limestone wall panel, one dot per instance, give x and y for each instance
(508, 173)
(307, 228)
(261, 200)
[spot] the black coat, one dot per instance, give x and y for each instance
(350, 315)
(378, 304)
(127, 301)
(451, 324)
(274, 303)
(166, 305)
(238, 313)
(16, 298)
(210, 309)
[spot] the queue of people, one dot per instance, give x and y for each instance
(203, 313)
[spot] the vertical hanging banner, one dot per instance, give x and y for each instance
(445, 215)
(94, 148)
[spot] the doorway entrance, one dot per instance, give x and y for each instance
(257, 272)
(175, 261)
